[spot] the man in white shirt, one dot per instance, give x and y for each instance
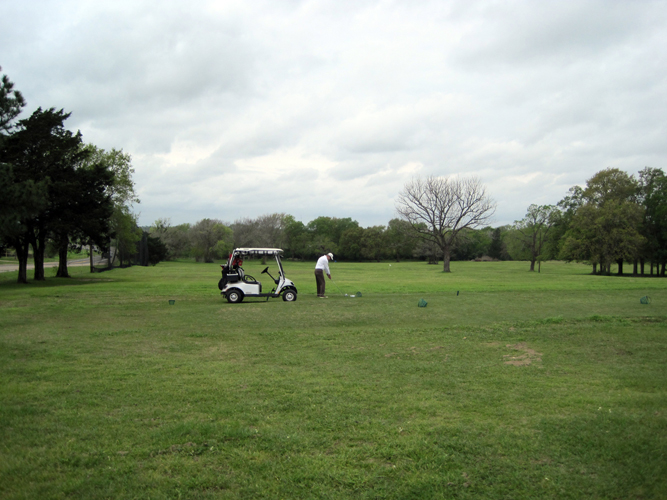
(321, 268)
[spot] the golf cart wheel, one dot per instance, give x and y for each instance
(289, 296)
(234, 296)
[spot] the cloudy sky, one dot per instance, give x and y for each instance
(242, 108)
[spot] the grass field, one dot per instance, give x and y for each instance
(509, 384)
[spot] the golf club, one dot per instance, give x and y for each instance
(341, 291)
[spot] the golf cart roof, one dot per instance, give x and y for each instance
(257, 251)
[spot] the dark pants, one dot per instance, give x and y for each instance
(321, 284)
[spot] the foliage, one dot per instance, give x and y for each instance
(11, 104)
(120, 164)
(497, 248)
(177, 240)
(532, 231)
(265, 231)
(123, 197)
(43, 151)
(400, 240)
(653, 195)
(605, 226)
(124, 224)
(295, 237)
(21, 201)
(350, 245)
(474, 244)
(210, 239)
(157, 250)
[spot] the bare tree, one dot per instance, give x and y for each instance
(438, 208)
(264, 231)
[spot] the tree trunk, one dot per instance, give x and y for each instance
(595, 268)
(662, 273)
(620, 267)
(21, 248)
(445, 261)
(37, 242)
(635, 267)
(532, 264)
(62, 257)
(641, 266)
(38, 258)
(92, 260)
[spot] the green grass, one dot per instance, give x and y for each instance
(106, 391)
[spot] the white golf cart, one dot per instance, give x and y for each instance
(235, 284)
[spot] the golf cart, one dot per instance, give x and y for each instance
(235, 284)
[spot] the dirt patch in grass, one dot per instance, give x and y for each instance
(527, 356)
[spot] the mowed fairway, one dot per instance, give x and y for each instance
(524, 385)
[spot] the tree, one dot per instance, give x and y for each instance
(21, 201)
(177, 240)
(605, 226)
(265, 231)
(127, 234)
(439, 208)
(472, 244)
(123, 222)
(270, 230)
(245, 232)
(325, 234)
(120, 164)
(11, 104)
(43, 151)
(359, 243)
(400, 239)
(210, 238)
(533, 229)
(373, 243)
(653, 197)
(158, 231)
(85, 219)
(157, 250)
(496, 249)
(426, 250)
(604, 235)
(296, 237)
(350, 244)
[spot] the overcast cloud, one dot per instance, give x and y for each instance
(236, 109)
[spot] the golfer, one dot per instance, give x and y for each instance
(322, 267)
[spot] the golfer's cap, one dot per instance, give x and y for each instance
(330, 255)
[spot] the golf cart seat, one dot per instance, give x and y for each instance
(250, 280)
(246, 278)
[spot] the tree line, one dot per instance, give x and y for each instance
(615, 218)
(58, 193)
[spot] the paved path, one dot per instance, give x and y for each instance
(5, 268)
